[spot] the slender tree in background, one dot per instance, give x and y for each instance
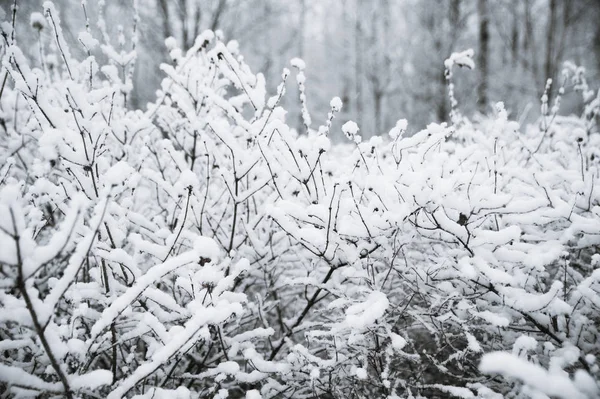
(550, 39)
(186, 19)
(597, 45)
(483, 54)
(444, 39)
(379, 74)
(358, 61)
(347, 73)
(300, 40)
(529, 47)
(382, 57)
(216, 16)
(182, 9)
(514, 37)
(166, 21)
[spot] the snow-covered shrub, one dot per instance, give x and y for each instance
(108, 273)
(203, 248)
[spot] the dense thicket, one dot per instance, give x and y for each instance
(203, 248)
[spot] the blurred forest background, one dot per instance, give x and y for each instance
(384, 58)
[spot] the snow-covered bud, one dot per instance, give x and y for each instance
(350, 129)
(336, 104)
(171, 43)
(398, 130)
(37, 21)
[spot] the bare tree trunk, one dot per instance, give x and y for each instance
(431, 25)
(454, 17)
(358, 64)
(166, 21)
(197, 18)
(442, 108)
(550, 34)
(597, 46)
(529, 46)
(387, 64)
(269, 63)
(217, 14)
(300, 37)
(374, 69)
(301, 28)
(483, 54)
(377, 102)
(379, 69)
(564, 36)
(514, 44)
(184, 24)
(347, 62)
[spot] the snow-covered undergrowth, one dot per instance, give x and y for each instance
(205, 249)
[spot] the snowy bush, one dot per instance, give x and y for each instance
(203, 248)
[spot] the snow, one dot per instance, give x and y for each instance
(253, 394)
(153, 275)
(211, 221)
(88, 41)
(336, 104)
(207, 248)
(315, 374)
(17, 376)
(556, 385)
(92, 380)
(350, 129)
(398, 342)
(298, 63)
(361, 373)
(118, 173)
(461, 59)
(494, 319)
(457, 392)
(472, 343)
(171, 43)
(37, 20)
(360, 315)
(202, 317)
(233, 46)
(524, 344)
(398, 130)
